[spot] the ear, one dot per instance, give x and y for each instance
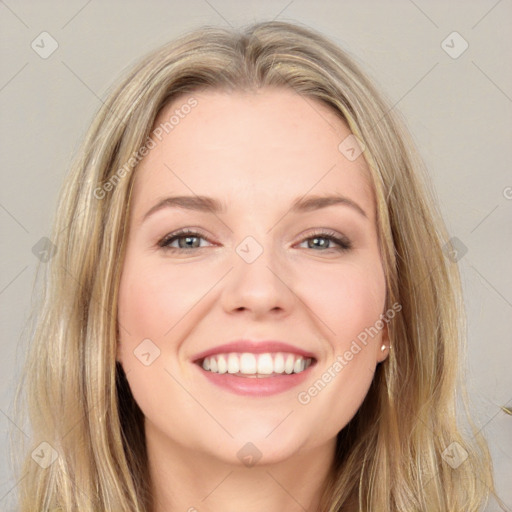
(384, 342)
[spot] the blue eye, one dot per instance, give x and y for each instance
(189, 240)
(188, 236)
(342, 242)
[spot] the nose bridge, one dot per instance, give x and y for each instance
(256, 282)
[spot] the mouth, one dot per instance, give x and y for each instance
(255, 369)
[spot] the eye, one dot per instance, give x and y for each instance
(187, 240)
(324, 239)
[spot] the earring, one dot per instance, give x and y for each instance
(383, 348)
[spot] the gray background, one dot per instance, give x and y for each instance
(458, 110)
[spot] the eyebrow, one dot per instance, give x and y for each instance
(211, 205)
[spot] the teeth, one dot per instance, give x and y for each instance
(222, 364)
(265, 364)
(247, 363)
(298, 366)
(253, 365)
(279, 363)
(288, 366)
(233, 364)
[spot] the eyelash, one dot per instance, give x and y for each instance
(344, 244)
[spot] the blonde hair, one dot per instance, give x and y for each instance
(390, 456)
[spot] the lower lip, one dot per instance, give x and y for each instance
(259, 386)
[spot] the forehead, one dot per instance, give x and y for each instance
(251, 149)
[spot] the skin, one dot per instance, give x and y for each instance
(257, 152)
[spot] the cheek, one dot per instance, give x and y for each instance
(346, 299)
(349, 300)
(154, 298)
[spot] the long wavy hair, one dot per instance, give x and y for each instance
(392, 455)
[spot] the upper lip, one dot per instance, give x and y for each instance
(255, 347)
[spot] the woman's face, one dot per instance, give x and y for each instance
(261, 268)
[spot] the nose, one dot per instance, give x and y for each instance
(262, 287)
